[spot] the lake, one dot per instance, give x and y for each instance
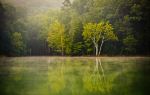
(74, 76)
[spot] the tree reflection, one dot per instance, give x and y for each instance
(96, 80)
(56, 78)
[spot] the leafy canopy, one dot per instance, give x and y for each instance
(56, 35)
(95, 32)
(17, 42)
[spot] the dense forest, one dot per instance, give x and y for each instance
(78, 28)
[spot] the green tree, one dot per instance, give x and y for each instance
(17, 43)
(66, 4)
(130, 42)
(56, 36)
(102, 31)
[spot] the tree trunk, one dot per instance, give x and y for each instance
(62, 51)
(62, 46)
(99, 60)
(96, 48)
(100, 48)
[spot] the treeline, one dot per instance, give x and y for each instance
(83, 27)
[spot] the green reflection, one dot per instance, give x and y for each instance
(96, 80)
(74, 76)
(56, 78)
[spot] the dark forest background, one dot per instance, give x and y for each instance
(23, 34)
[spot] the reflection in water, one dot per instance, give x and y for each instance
(74, 76)
(56, 78)
(97, 81)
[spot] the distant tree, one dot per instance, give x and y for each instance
(17, 43)
(66, 4)
(102, 31)
(130, 42)
(75, 33)
(56, 36)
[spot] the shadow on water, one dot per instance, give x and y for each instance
(74, 76)
(23, 76)
(134, 78)
(4, 75)
(141, 83)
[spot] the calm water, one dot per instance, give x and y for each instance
(74, 76)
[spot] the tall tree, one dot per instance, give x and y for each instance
(56, 36)
(102, 31)
(17, 43)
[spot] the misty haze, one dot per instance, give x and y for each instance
(74, 47)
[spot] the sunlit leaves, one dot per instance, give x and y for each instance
(56, 36)
(102, 31)
(97, 31)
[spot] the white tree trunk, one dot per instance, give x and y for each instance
(100, 48)
(96, 48)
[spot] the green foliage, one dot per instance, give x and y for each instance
(99, 32)
(72, 28)
(56, 36)
(77, 48)
(17, 43)
(130, 42)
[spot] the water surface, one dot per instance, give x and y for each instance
(75, 76)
